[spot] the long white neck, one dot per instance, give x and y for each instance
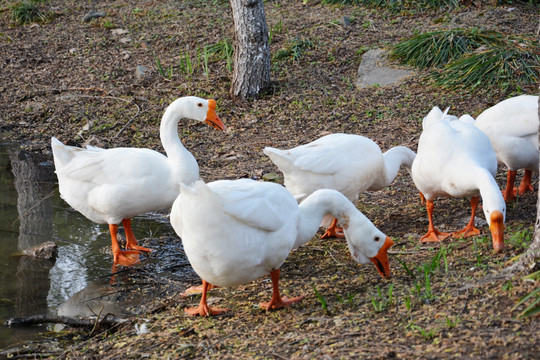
(393, 159)
(315, 207)
(490, 192)
(181, 161)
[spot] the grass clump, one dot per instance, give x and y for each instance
(294, 50)
(438, 48)
(222, 50)
(530, 300)
(471, 57)
(420, 5)
(503, 66)
(383, 302)
(400, 5)
(26, 12)
(198, 60)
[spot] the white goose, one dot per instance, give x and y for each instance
(235, 231)
(512, 127)
(114, 185)
(455, 159)
(347, 163)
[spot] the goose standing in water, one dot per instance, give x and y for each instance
(114, 185)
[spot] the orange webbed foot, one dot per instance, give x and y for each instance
(466, 232)
(333, 231)
(138, 248)
(336, 232)
(282, 302)
(204, 311)
(126, 257)
(434, 236)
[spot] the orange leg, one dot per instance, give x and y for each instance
(203, 309)
(277, 301)
(333, 231)
(433, 235)
(422, 199)
(525, 183)
(131, 241)
(508, 193)
(122, 257)
(469, 230)
(198, 289)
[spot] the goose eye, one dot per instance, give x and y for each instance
(199, 104)
(377, 238)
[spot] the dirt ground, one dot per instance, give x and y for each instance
(77, 81)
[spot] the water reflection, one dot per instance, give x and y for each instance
(25, 224)
(31, 212)
(35, 226)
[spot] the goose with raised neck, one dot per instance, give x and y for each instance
(111, 186)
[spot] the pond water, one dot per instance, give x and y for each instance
(32, 212)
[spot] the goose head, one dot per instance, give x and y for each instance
(367, 243)
(495, 219)
(195, 108)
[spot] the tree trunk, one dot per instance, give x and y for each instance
(251, 72)
(529, 258)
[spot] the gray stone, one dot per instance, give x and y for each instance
(93, 14)
(374, 69)
(47, 250)
(140, 72)
(273, 177)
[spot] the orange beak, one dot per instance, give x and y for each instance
(211, 117)
(497, 230)
(381, 259)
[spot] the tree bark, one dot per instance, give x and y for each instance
(251, 72)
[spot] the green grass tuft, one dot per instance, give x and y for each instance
(294, 50)
(507, 67)
(222, 50)
(472, 58)
(438, 48)
(400, 5)
(420, 5)
(26, 12)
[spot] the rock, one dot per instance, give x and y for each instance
(141, 72)
(374, 69)
(93, 14)
(345, 21)
(47, 250)
(273, 177)
(119, 31)
(94, 299)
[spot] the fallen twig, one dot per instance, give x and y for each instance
(129, 121)
(70, 321)
(464, 306)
